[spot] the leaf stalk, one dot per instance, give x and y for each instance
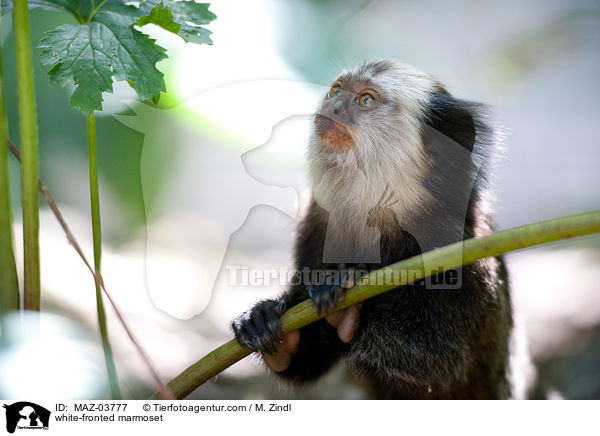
(97, 240)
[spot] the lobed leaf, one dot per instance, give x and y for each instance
(91, 54)
(161, 16)
(104, 45)
(188, 15)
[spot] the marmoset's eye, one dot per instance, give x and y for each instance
(335, 90)
(366, 100)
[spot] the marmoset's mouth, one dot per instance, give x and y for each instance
(332, 134)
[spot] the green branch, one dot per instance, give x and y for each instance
(29, 148)
(432, 262)
(9, 287)
(97, 238)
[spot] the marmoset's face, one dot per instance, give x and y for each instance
(375, 110)
(349, 105)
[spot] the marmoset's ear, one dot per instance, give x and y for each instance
(452, 118)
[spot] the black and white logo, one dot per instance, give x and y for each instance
(26, 415)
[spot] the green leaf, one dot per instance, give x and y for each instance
(161, 16)
(189, 15)
(92, 54)
(105, 46)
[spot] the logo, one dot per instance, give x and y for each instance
(26, 415)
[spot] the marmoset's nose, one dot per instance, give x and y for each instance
(337, 107)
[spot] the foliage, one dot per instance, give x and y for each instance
(104, 44)
(101, 46)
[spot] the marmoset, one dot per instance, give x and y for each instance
(398, 166)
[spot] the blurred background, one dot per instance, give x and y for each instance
(208, 183)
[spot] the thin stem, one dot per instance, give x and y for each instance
(165, 393)
(97, 238)
(421, 266)
(29, 147)
(9, 286)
